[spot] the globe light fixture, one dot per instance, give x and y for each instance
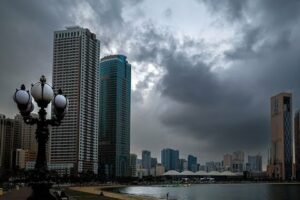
(43, 94)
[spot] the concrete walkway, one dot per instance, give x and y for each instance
(21, 194)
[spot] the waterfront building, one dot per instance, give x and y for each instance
(153, 162)
(159, 170)
(7, 142)
(146, 159)
(238, 158)
(210, 166)
(227, 162)
(254, 163)
(170, 159)
(192, 163)
(76, 53)
(281, 155)
(133, 165)
(297, 144)
(183, 165)
(114, 133)
(202, 168)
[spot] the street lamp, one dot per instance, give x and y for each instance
(43, 94)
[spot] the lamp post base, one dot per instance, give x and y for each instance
(40, 191)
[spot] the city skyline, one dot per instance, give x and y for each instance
(202, 89)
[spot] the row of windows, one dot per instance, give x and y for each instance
(68, 34)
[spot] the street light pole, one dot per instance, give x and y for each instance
(43, 94)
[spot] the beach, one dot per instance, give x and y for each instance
(108, 192)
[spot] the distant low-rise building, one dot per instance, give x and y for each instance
(227, 162)
(183, 165)
(159, 170)
(133, 160)
(254, 163)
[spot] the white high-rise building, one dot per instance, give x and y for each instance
(76, 55)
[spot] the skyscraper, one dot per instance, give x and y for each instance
(238, 161)
(281, 158)
(6, 142)
(255, 163)
(170, 159)
(146, 159)
(114, 129)
(192, 163)
(74, 143)
(297, 143)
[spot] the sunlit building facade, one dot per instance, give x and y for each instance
(281, 155)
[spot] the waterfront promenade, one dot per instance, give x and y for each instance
(21, 194)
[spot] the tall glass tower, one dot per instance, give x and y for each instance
(74, 144)
(170, 159)
(114, 129)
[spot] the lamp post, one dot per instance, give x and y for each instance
(43, 94)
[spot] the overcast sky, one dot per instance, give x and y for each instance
(203, 71)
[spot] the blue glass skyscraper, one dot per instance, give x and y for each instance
(170, 159)
(192, 163)
(114, 129)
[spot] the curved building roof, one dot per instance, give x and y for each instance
(171, 173)
(187, 173)
(199, 173)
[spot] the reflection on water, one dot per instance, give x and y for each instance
(221, 191)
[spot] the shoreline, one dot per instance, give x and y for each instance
(111, 190)
(107, 191)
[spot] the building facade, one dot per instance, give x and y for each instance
(153, 162)
(76, 53)
(114, 129)
(26, 132)
(281, 156)
(170, 159)
(7, 142)
(297, 143)
(183, 165)
(227, 162)
(238, 158)
(146, 160)
(254, 163)
(133, 166)
(192, 163)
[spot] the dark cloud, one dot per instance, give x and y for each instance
(215, 110)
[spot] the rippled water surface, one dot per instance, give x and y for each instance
(221, 192)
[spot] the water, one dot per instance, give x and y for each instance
(220, 192)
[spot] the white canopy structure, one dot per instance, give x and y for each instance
(199, 173)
